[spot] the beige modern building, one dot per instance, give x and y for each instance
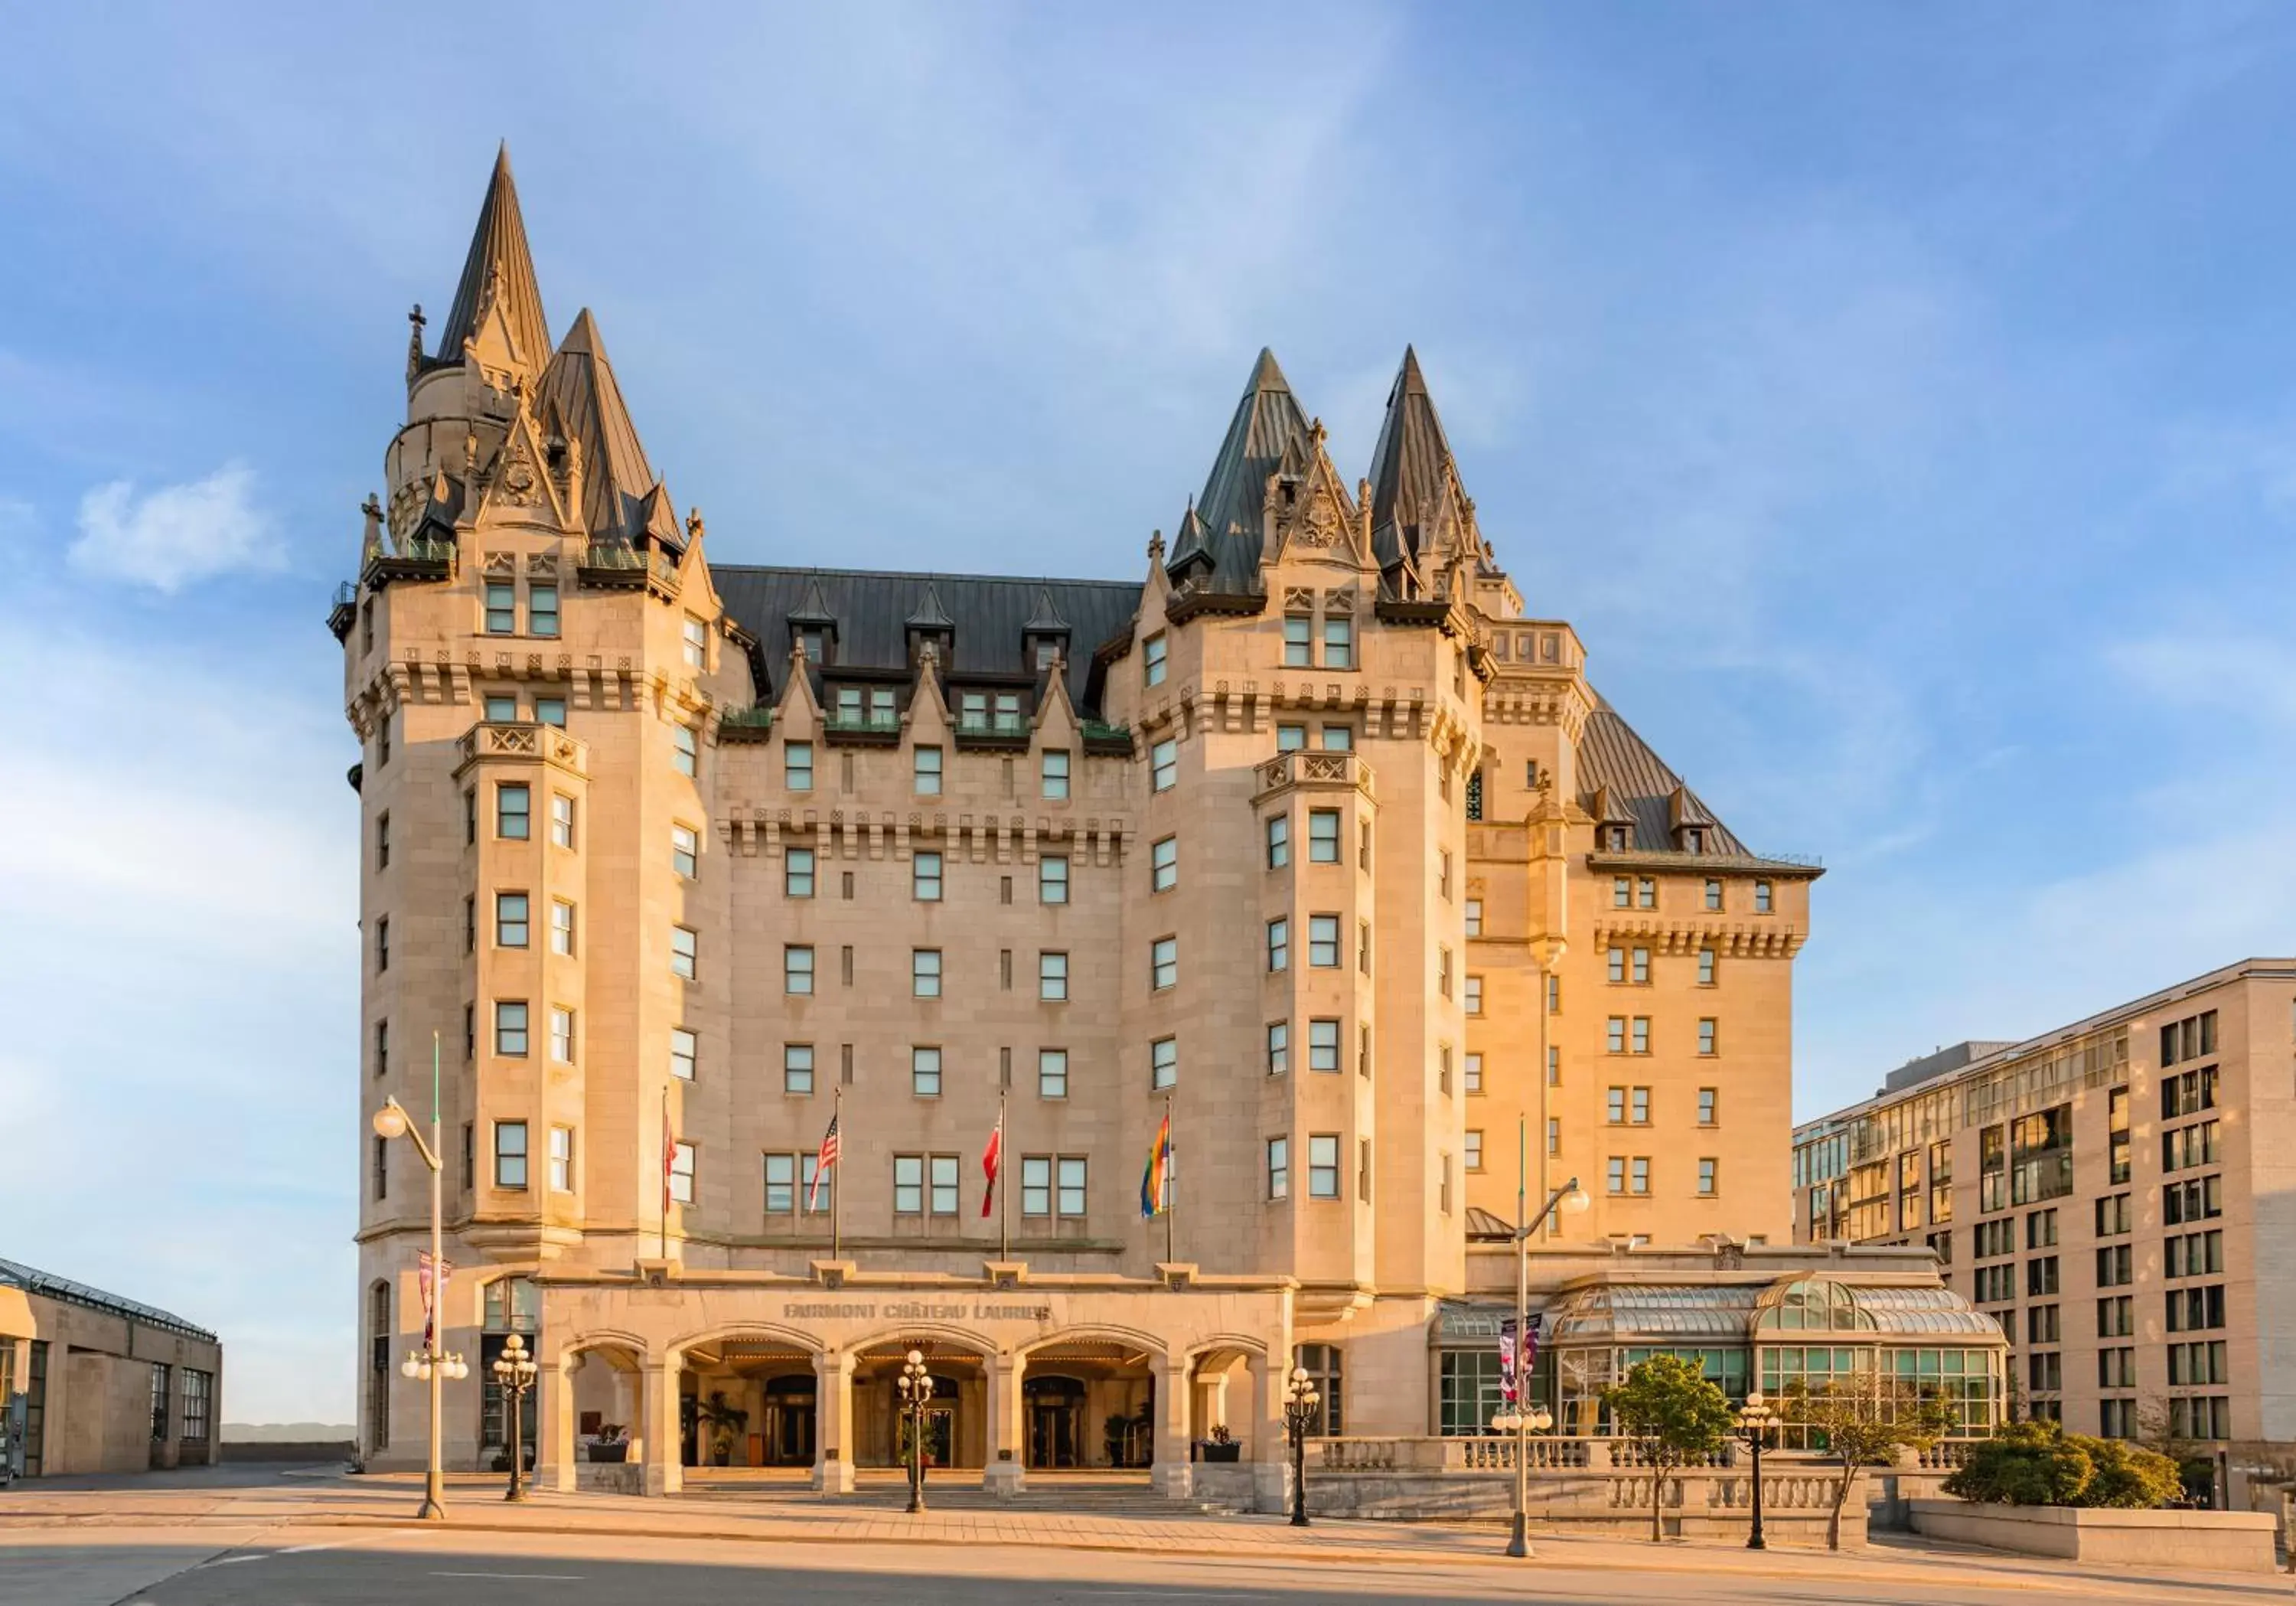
(2119, 1193)
(1307, 838)
(91, 1382)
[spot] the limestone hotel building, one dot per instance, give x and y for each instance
(1309, 836)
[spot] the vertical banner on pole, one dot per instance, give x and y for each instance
(1507, 1374)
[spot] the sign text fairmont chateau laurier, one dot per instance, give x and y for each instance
(1265, 905)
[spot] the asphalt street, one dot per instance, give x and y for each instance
(395, 1568)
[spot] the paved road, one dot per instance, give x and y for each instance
(138, 1567)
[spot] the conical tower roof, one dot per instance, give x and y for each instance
(580, 384)
(499, 262)
(1411, 465)
(1267, 425)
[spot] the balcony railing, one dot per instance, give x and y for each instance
(992, 724)
(759, 717)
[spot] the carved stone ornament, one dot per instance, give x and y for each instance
(1321, 525)
(520, 478)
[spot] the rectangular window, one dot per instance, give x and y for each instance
(696, 641)
(1279, 944)
(780, 1184)
(924, 1072)
(541, 610)
(924, 973)
(1641, 1176)
(512, 805)
(2041, 1277)
(1323, 1165)
(1472, 1073)
(909, 1184)
(379, 1169)
(2114, 1267)
(1706, 1174)
(1163, 963)
(1706, 967)
(510, 919)
(1706, 1037)
(561, 928)
(681, 1173)
(1471, 1154)
(1474, 917)
(1621, 892)
(562, 1160)
(797, 766)
(1053, 879)
(381, 1046)
(1642, 1035)
(1164, 765)
(1037, 1185)
(502, 608)
(1052, 1073)
(683, 947)
(510, 1028)
(797, 971)
(1279, 1047)
(1279, 841)
(2116, 1317)
(1713, 893)
(1071, 1196)
(1645, 892)
(1474, 999)
(1761, 897)
(1615, 1174)
(1055, 776)
(796, 1067)
(561, 1035)
(551, 711)
(944, 1185)
(1323, 940)
(1279, 1168)
(1324, 1046)
(924, 877)
(1151, 660)
(1639, 1106)
(1708, 1102)
(501, 708)
(1299, 641)
(1338, 644)
(1164, 864)
(1053, 977)
(1290, 738)
(1615, 961)
(1163, 1062)
(1553, 1136)
(1323, 836)
(1614, 1035)
(797, 873)
(510, 1154)
(682, 750)
(928, 771)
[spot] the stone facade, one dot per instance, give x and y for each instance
(2111, 1192)
(1310, 842)
(90, 1382)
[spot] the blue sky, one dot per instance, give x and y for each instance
(1897, 399)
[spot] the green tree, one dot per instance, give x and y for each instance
(1668, 1411)
(1866, 1417)
(2038, 1463)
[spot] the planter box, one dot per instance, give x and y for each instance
(2207, 1541)
(610, 1453)
(1219, 1452)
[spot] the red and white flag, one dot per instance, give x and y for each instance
(992, 1161)
(821, 1163)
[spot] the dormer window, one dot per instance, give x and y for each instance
(1618, 837)
(1047, 652)
(1694, 841)
(809, 641)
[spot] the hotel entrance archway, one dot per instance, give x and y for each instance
(1088, 1404)
(956, 1417)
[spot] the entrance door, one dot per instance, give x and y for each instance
(1055, 1421)
(789, 1421)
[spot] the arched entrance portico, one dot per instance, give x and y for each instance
(957, 1418)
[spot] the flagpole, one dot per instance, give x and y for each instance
(837, 1183)
(1004, 1193)
(666, 1153)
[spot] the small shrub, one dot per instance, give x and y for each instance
(2038, 1463)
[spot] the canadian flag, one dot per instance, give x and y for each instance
(992, 1160)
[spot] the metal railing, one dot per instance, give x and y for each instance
(866, 723)
(992, 724)
(757, 717)
(612, 555)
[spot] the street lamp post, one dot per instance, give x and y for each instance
(1754, 1424)
(432, 1363)
(915, 1385)
(1301, 1405)
(514, 1373)
(1572, 1198)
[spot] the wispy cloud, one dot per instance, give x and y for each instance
(169, 538)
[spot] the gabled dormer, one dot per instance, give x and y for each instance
(929, 624)
(1694, 829)
(1045, 635)
(813, 628)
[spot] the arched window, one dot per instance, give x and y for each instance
(378, 1384)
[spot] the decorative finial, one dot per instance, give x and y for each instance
(414, 322)
(693, 524)
(1315, 430)
(371, 543)
(1156, 546)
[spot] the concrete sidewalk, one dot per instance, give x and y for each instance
(306, 1499)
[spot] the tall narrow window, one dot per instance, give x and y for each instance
(502, 608)
(1151, 660)
(1761, 897)
(684, 949)
(682, 1052)
(1339, 643)
(542, 610)
(1164, 865)
(1279, 1168)
(1164, 765)
(797, 766)
(681, 1173)
(928, 771)
(1323, 836)
(1163, 963)
(1323, 940)
(1053, 977)
(514, 805)
(1299, 641)
(1052, 1073)
(1279, 944)
(796, 1067)
(510, 1154)
(685, 850)
(562, 1160)
(682, 749)
(797, 971)
(1163, 1062)
(1052, 878)
(924, 1072)
(1056, 775)
(510, 1028)
(561, 1035)
(561, 928)
(1279, 1047)
(696, 641)
(797, 873)
(924, 877)
(925, 972)
(1279, 841)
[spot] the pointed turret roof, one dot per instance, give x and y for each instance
(928, 614)
(1411, 466)
(580, 388)
(499, 257)
(1267, 427)
(657, 518)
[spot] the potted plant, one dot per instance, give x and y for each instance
(724, 1421)
(612, 1443)
(1222, 1446)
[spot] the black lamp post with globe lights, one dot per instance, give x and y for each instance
(515, 1373)
(1755, 1421)
(1302, 1407)
(916, 1385)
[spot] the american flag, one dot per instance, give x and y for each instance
(821, 1162)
